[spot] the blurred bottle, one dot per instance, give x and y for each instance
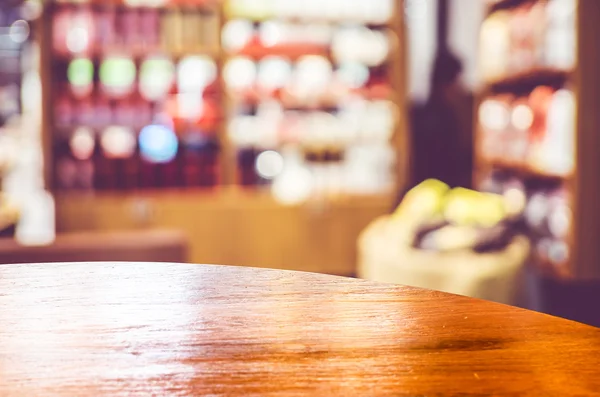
(37, 224)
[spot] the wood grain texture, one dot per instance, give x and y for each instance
(128, 329)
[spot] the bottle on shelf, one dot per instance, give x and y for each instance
(535, 130)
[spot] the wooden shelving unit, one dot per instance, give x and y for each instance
(227, 222)
(577, 187)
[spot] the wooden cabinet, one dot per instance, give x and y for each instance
(237, 228)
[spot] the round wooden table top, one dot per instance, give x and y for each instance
(126, 329)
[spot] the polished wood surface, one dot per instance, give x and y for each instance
(126, 329)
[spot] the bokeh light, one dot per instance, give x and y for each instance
(158, 144)
(494, 115)
(294, 186)
(80, 74)
(78, 39)
(118, 142)
(117, 75)
(157, 75)
(274, 72)
(240, 73)
(82, 143)
(236, 34)
(353, 74)
(269, 164)
(195, 73)
(19, 31)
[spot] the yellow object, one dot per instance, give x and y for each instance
(258, 10)
(424, 200)
(433, 199)
(469, 207)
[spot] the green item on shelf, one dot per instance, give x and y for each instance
(117, 73)
(80, 72)
(156, 77)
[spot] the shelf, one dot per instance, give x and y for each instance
(255, 50)
(222, 194)
(300, 20)
(292, 52)
(207, 5)
(289, 103)
(142, 53)
(529, 79)
(523, 171)
(63, 132)
(581, 185)
(507, 4)
(189, 51)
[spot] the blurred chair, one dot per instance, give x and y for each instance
(133, 246)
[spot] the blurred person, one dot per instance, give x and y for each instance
(442, 127)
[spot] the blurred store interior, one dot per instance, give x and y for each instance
(445, 144)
